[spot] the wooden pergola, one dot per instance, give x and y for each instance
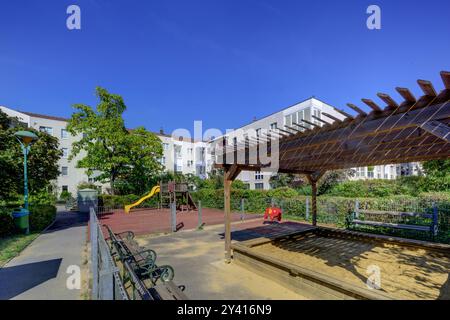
(411, 131)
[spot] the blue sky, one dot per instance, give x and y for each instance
(219, 61)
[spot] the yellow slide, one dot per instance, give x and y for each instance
(155, 190)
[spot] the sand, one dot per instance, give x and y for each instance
(406, 273)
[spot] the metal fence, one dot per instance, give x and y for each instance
(106, 281)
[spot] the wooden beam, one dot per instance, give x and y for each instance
(427, 88)
(406, 94)
(357, 109)
(300, 126)
(283, 131)
(372, 105)
(347, 115)
(391, 104)
(293, 129)
(319, 119)
(445, 75)
(331, 117)
(310, 123)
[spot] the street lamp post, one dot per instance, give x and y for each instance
(21, 217)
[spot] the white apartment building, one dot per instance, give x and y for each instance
(185, 155)
(284, 119)
(305, 110)
(179, 155)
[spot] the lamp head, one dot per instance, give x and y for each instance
(26, 137)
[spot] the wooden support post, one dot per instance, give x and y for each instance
(314, 202)
(230, 173)
(313, 178)
(227, 207)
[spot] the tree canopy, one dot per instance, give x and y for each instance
(42, 160)
(127, 159)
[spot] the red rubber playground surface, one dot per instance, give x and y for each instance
(146, 221)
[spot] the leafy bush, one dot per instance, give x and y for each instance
(43, 197)
(41, 216)
(117, 201)
(65, 195)
(6, 222)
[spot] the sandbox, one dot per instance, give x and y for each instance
(324, 263)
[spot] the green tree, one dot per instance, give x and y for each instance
(42, 160)
(437, 168)
(125, 158)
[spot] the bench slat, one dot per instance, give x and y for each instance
(397, 213)
(392, 225)
(169, 291)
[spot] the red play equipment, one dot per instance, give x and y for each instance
(273, 213)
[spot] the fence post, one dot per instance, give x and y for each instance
(435, 219)
(106, 276)
(242, 209)
(356, 208)
(173, 216)
(307, 209)
(200, 222)
(94, 253)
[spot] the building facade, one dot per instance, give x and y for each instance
(179, 155)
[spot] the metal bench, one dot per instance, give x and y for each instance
(375, 218)
(143, 261)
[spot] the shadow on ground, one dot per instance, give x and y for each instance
(18, 279)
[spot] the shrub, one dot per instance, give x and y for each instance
(6, 222)
(41, 216)
(117, 201)
(65, 195)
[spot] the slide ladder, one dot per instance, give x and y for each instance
(154, 191)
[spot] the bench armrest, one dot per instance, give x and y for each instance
(127, 234)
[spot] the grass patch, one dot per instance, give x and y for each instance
(13, 245)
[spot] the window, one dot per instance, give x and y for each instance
(370, 173)
(64, 171)
(258, 132)
(287, 122)
(190, 163)
(317, 113)
(259, 186)
(165, 146)
(258, 175)
(48, 130)
(65, 188)
(64, 134)
(274, 126)
(65, 152)
(162, 160)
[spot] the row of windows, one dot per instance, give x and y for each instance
(64, 134)
(293, 119)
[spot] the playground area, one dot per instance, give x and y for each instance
(148, 220)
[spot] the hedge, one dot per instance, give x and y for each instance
(119, 201)
(41, 216)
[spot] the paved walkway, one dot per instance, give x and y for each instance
(39, 272)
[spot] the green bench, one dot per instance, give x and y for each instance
(143, 264)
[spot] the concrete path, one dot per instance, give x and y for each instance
(39, 272)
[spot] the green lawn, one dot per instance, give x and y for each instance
(12, 246)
